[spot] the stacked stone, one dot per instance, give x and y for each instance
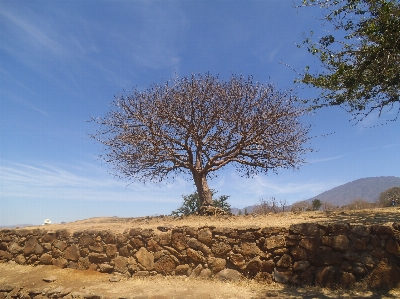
(8, 291)
(333, 255)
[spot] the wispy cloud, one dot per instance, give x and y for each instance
(266, 187)
(33, 34)
(82, 181)
(327, 159)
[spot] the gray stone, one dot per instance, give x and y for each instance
(106, 268)
(141, 274)
(229, 275)
(50, 279)
(282, 276)
(114, 279)
(196, 271)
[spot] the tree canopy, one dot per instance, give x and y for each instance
(197, 125)
(360, 56)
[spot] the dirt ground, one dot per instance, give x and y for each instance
(118, 225)
(86, 283)
(159, 287)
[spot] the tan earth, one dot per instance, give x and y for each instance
(158, 287)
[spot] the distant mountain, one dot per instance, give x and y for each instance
(367, 189)
(15, 226)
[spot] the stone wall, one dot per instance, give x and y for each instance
(334, 255)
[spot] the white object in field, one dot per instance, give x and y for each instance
(47, 221)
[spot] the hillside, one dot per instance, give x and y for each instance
(367, 189)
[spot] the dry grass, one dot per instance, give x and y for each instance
(367, 216)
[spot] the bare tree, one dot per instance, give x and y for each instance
(283, 203)
(199, 124)
(301, 206)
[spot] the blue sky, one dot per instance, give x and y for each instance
(62, 62)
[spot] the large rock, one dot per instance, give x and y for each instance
(216, 264)
(282, 275)
(228, 275)
(385, 276)
(325, 258)
(333, 277)
(253, 266)
(298, 254)
(98, 258)
(220, 248)
(30, 245)
(72, 253)
(195, 244)
(178, 241)
(238, 260)
(285, 261)
(106, 268)
(195, 255)
(111, 250)
(14, 248)
(165, 265)
(182, 269)
(205, 236)
(121, 264)
(250, 249)
(46, 259)
(305, 229)
(60, 262)
(145, 258)
(310, 244)
(274, 242)
(5, 255)
(86, 240)
(340, 242)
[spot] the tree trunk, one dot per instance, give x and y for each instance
(203, 190)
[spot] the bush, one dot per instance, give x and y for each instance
(386, 197)
(191, 204)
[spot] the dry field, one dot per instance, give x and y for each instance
(159, 287)
(118, 225)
